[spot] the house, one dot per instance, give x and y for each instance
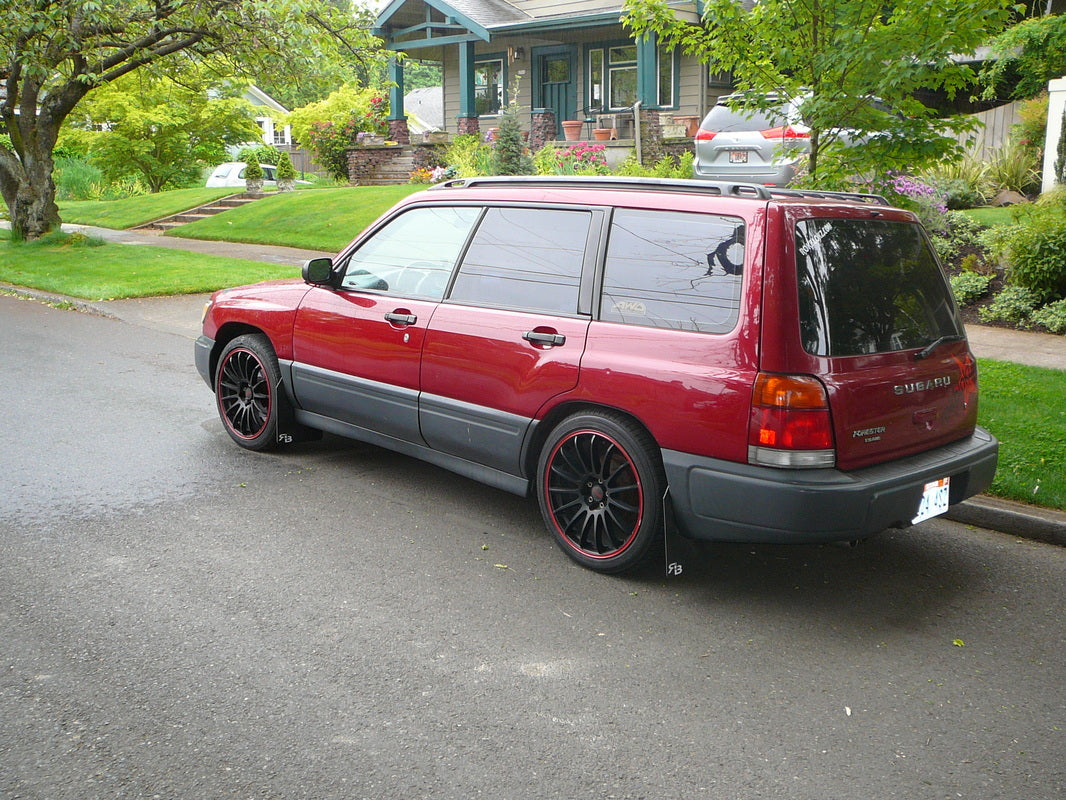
(568, 60)
(267, 113)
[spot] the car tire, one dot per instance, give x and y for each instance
(600, 485)
(248, 392)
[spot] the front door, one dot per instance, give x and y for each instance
(555, 82)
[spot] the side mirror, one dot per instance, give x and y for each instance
(318, 271)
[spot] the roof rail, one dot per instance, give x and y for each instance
(858, 197)
(752, 190)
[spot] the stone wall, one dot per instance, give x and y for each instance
(364, 162)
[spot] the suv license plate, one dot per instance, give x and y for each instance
(934, 500)
(738, 156)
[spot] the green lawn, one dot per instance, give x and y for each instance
(1025, 407)
(133, 211)
(77, 267)
(316, 219)
(990, 216)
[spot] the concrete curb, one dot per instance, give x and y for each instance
(1016, 519)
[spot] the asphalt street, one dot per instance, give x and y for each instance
(183, 619)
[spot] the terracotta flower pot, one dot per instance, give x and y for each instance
(572, 129)
(602, 134)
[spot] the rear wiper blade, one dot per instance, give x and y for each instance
(927, 351)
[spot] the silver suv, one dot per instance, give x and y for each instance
(738, 143)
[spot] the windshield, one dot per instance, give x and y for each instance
(870, 286)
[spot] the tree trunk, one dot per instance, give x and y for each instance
(29, 191)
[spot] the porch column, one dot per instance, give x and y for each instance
(468, 121)
(647, 71)
(397, 119)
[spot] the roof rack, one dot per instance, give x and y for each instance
(718, 188)
(818, 193)
(751, 190)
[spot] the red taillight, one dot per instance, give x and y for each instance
(784, 132)
(790, 423)
(704, 135)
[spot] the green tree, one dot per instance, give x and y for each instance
(1029, 54)
(55, 52)
(165, 131)
(841, 54)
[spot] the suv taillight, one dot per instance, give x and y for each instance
(784, 132)
(703, 135)
(790, 424)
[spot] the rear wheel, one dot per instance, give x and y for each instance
(248, 392)
(600, 487)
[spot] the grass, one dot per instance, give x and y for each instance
(78, 266)
(990, 216)
(133, 211)
(1024, 407)
(316, 219)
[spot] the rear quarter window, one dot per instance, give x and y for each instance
(869, 286)
(678, 270)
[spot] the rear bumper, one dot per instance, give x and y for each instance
(726, 501)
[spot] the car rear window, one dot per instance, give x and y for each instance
(669, 269)
(869, 286)
(724, 118)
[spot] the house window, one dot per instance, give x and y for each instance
(488, 86)
(612, 77)
(281, 135)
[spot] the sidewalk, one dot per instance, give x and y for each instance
(181, 314)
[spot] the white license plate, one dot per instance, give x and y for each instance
(738, 156)
(934, 500)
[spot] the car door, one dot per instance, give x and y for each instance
(511, 335)
(356, 347)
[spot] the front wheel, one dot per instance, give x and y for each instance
(600, 488)
(247, 392)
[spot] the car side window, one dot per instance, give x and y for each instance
(528, 258)
(668, 269)
(413, 254)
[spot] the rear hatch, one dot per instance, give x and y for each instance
(876, 310)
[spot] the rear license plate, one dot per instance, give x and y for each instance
(738, 156)
(934, 500)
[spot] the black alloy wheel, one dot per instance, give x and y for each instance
(601, 486)
(246, 387)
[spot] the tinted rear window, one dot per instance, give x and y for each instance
(869, 286)
(723, 119)
(668, 269)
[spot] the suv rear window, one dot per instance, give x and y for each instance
(723, 118)
(670, 269)
(869, 286)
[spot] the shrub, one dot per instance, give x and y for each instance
(1037, 253)
(509, 156)
(286, 171)
(1052, 316)
(1014, 166)
(959, 235)
(468, 156)
(253, 172)
(77, 179)
(576, 159)
(963, 181)
(330, 142)
(969, 287)
(665, 167)
(1014, 304)
(263, 153)
(922, 198)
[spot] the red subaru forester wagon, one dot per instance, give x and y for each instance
(761, 365)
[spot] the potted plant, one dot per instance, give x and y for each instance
(253, 175)
(286, 173)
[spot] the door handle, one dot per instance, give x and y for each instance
(401, 319)
(546, 339)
